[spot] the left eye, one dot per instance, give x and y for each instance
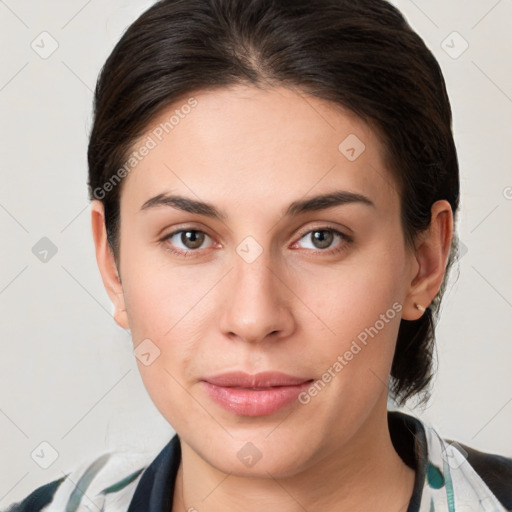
(323, 238)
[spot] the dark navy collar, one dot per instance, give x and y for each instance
(410, 441)
(155, 490)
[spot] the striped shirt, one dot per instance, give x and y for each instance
(450, 477)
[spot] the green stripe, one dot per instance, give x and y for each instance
(449, 487)
(122, 483)
(84, 482)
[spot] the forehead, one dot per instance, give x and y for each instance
(258, 146)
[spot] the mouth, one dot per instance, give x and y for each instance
(257, 395)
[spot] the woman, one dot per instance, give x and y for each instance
(228, 135)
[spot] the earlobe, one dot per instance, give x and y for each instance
(106, 264)
(120, 316)
(431, 257)
(420, 307)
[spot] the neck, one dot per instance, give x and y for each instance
(366, 474)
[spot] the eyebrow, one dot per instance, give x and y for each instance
(320, 202)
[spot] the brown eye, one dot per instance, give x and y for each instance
(192, 239)
(185, 240)
(322, 238)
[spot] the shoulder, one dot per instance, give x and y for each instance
(495, 470)
(470, 475)
(450, 474)
(108, 480)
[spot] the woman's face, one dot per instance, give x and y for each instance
(255, 282)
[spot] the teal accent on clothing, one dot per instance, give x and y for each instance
(122, 483)
(84, 482)
(434, 476)
(449, 488)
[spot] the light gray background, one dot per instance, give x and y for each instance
(68, 374)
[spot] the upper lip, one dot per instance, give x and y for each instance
(258, 380)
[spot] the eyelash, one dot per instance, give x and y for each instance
(346, 241)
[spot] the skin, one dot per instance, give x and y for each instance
(295, 308)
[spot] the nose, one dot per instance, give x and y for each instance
(257, 302)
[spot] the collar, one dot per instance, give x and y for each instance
(155, 490)
(409, 438)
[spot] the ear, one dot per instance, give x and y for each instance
(107, 265)
(429, 260)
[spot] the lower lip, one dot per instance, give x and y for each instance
(250, 402)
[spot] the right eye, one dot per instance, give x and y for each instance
(190, 240)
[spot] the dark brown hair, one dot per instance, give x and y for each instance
(360, 54)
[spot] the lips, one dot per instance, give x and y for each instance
(257, 381)
(254, 395)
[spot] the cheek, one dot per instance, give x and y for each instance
(163, 318)
(159, 297)
(173, 309)
(358, 310)
(350, 296)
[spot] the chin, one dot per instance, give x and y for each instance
(256, 454)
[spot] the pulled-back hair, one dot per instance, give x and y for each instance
(360, 54)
